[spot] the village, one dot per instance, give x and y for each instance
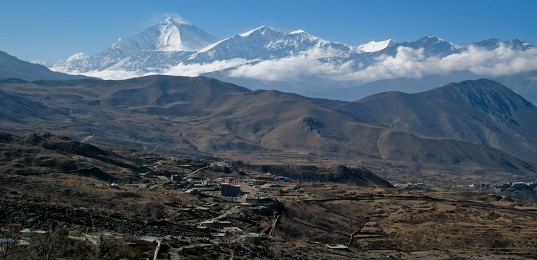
(226, 205)
(178, 208)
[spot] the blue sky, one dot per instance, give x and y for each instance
(55, 29)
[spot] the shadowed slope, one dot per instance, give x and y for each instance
(481, 111)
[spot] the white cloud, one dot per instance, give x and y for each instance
(408, 62)
(201, 68)
(190, 70)
(294, 68)
(115, 74)
(498, 62)
(287, 69)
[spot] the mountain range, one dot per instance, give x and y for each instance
(198, 115)
(265, 58)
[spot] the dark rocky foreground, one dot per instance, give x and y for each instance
(42, 215)
(336, 212)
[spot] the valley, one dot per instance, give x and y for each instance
(132, 198)
(287, 130)
(164, 167)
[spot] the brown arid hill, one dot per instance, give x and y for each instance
(480, 111)
(45, 153)
(183, 115)
(359, 176)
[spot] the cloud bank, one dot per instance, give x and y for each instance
(408, 62)
(181, 69)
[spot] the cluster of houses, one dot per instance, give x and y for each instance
(14, 233)
(520, 185)
(256, 204)
(223, 228)
(234, 188)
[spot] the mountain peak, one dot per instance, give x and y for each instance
(259, 30)
(173, 34)
(431, 39)
(434, 45)
(481, 84)
(494, 43)
(176, 20)
(485, 94)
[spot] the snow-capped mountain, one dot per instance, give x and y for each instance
(431, 46)
(492, 44)
(296, 61)
(161, 47)
(173, 34)
(170, 38)
(266, 43)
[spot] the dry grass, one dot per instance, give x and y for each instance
(410, 223)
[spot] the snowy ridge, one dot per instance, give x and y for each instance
(263, 43)
(258, 29)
